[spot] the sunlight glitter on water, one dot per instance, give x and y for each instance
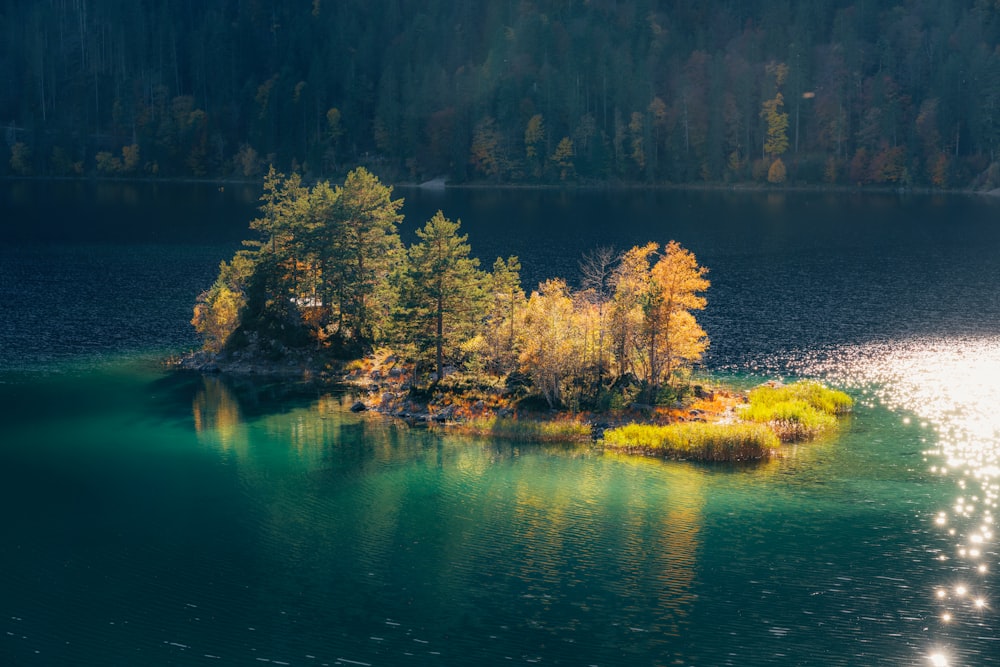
(952, 387)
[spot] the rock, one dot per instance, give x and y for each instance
(395, 372)
(358, 407)
(445, 414)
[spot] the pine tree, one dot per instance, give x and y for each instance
(370, 247)
(441, 293)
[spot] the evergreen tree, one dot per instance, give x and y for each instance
(369, 247)
(441, 294)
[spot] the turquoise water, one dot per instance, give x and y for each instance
(155, 519)
(152, 518)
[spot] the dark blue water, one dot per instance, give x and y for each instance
(158, 519)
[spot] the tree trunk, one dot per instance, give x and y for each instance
(440, 336)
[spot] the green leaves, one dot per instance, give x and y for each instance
(441, 293)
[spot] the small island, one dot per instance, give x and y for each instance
(329, 291)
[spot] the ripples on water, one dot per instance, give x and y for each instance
(951, 386)
(166, 527)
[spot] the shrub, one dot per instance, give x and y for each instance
(696, 440)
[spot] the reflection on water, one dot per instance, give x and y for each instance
(951, 385)
(217, 416)
(502, 547)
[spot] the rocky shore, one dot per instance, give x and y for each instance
(383, 384)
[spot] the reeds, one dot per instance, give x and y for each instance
(526, 430)
(797, 411)
(696, 440)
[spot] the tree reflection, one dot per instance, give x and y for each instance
(217, 416)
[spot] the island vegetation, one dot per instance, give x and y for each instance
(826, 92)
(329, 289)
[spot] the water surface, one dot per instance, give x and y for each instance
(157, 519)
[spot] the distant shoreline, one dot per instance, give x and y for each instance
(439, 185)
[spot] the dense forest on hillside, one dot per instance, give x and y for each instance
(826, 91)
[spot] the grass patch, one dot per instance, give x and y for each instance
(526, 430)
(823, 399)
(696, 440)
(796, 411)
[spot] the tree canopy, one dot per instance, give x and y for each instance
(330, 274)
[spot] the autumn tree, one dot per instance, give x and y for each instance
(653, 331)
(636, 131)
(597, 281)
(534, 143)
(630, 280)
(485, 152)
(673, 335)
(218, 309)
(551, 346)
(441, 293)
(562, 158)
(776, 119)
(505, 301)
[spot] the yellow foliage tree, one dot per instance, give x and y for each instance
(562, 159)
(217, 311)
(108, 163)
(534, 138)
(674, 336)
(551, 345)
(636, 132)
(653, 331)
(484, 153)
(776, 141)
(777, 172)
(630, 279)
(130, 158)
(216, 316)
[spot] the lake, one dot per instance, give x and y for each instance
(158, 519)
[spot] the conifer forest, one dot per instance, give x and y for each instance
(841, 92)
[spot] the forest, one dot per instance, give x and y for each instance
(328, 273)
(839, 92)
